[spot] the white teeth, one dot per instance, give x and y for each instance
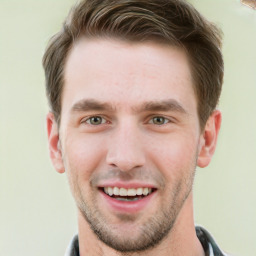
(116, 191)
(110, 191)
(139, 191)
(131, 192)
(123, 192)
(145, 191)
(127, 192)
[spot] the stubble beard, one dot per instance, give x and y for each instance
(151, 232)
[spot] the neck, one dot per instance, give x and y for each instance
(181, 240)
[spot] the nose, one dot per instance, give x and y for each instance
(125, 149)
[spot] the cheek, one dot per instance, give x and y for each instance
(174, 156)
(83, 155)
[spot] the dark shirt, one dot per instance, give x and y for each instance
(207, 241)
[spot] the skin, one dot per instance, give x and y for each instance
(128, 87)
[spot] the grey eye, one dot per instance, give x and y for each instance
(96, 120)
(159, 120)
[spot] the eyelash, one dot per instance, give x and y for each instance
(89, 119)
(164, 119)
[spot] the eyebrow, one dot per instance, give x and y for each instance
(154, 106)
(91, 104)
(165, 105)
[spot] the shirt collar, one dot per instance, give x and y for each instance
(210, 246)
(73, 248)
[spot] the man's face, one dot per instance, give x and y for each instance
(129, 127)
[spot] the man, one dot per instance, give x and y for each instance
(133, 87)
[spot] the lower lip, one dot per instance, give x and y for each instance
(127, 206)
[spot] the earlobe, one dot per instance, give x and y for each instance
(208, 139)
(54, 143)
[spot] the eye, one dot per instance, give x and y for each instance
(159, 120)
(96, 120)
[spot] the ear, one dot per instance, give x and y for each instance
(208, 139)
(54, 143)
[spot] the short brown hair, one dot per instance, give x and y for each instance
(173, 22)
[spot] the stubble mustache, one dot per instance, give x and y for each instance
(135, 175)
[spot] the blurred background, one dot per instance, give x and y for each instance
(37, 213)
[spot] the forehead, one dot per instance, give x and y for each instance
(117, 71)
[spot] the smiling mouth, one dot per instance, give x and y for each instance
(128, 195)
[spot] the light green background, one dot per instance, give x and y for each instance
(37, 213)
